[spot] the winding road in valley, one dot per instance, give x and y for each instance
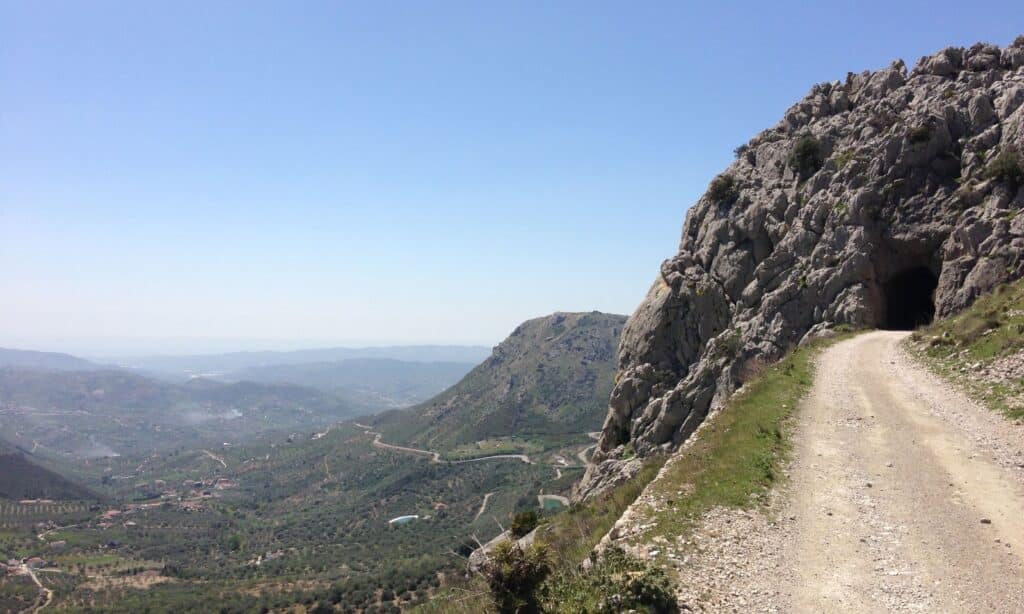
(582, 454)
(904, 496)
(436, 456)
(45, 593)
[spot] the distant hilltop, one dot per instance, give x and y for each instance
(30, 359)
(552, 375)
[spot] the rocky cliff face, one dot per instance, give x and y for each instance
(878, 201)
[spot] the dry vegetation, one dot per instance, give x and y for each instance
(982, 349)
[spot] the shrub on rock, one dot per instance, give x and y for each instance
(1006, 167)
(722, 189)
(514, 576)
(805, 157)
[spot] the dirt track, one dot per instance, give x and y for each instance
(903, 496)
(435, 457)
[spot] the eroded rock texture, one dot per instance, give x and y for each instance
(878, 201)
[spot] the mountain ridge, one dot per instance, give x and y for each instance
(550, 376)
(21, 478)
(32, 359)
(364, 381)
(221, 363)
(106, 412)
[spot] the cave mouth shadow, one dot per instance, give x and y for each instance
(910, 299)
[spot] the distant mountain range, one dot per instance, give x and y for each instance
(337, 488)
(30, 359)
(370, 383)
(107, 412)
(75, 406)
(221, 364)
(551, 376)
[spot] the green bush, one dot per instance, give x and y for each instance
(805, 157)
(514, 575)
(722, 189)
(845, 157)
(1006, 167)
(616, 583)
(740, 151)
(523, 523)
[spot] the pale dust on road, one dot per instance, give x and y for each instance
(483, 506)
(903, 496)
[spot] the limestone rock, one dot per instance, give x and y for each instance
(868, 204)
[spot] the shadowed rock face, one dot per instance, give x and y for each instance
(872, 203)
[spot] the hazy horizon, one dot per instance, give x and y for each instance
(114, 348)
(196, 178)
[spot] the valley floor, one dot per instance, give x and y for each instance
(903, 495)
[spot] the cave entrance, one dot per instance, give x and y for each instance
(910, 299)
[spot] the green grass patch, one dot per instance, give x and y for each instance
(962, 346)
(616, 583)
(739, 454)
(845, 157)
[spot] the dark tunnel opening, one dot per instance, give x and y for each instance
(910, 299)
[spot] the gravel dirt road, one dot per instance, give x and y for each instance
(903, 496)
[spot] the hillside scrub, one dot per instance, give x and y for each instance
(982, 349)
(615, 583)
(1006, 167)
(722, 189)
(737, 457)
(569, 538)
(549, 379)
(523, 522)
(514, 574)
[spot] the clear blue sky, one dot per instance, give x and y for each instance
(213, 175)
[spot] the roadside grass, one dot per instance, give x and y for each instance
(740, 451)
(959, 347)
(734, 462)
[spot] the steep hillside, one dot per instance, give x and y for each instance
(30, 359)
(550, 376)
(371, 384)
(878, 201)
(20, 478)
(100, 413)
(310, 514)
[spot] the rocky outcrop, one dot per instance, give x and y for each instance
(877, 201)
(477, 558)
